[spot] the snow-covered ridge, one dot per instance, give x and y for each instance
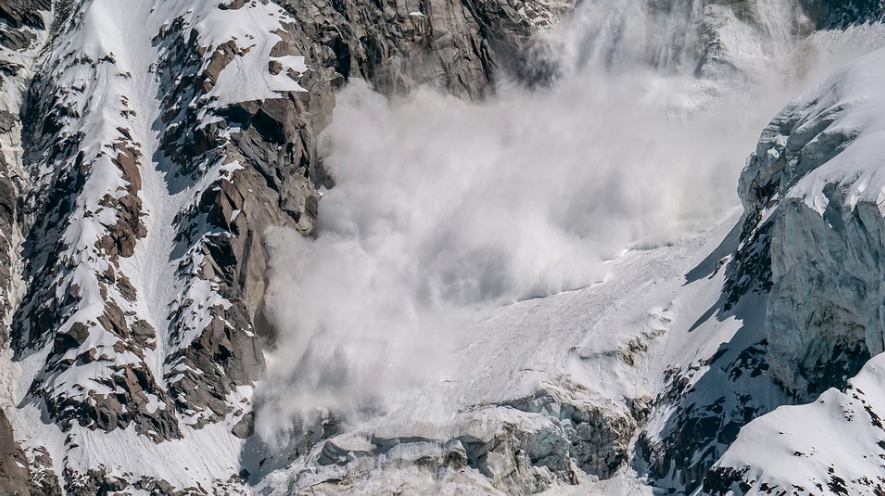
(813, 193)
(118, 290)
(815, 200)
(833, 445)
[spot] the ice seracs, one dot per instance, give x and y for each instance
(814, 194)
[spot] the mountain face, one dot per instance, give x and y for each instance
(150, 150)
(141, 173)
(814, 176)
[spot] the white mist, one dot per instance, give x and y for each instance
(444, 209)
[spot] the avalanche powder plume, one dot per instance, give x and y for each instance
(443, 209)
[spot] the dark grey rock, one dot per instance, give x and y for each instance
(463, 48)
(20, 13)
(7, 121)
(16, 39)
(245, 427)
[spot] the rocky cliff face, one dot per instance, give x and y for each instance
(14, 473)
(820, 244)
(805, 279)
(462, 47)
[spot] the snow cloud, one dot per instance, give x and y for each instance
(444, 209)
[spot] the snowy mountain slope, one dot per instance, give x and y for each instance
(159, 140)
(831, 446)
(112, 330)
(812, 305)
(162, 139)
(717, 377)
(545, 393)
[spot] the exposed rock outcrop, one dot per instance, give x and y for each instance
(14, 474)
(44, 481)
(459, 47)
(21, 13)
